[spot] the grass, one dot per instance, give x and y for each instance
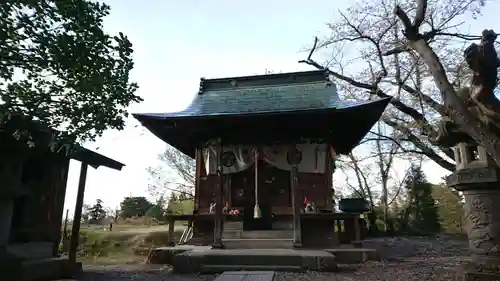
(126, 244)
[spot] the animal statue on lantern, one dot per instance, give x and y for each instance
(480, 99)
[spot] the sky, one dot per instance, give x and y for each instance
(178, 42)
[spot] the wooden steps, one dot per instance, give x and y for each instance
(257, 234)
(258, 243)
(233, 237)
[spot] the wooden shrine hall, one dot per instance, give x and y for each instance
(32, 194)
(265, 147)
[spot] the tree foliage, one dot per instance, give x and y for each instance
(180, 204)
(59, 67)
(158, 209)
(96, 213)
(176, 173)
(134, 207)
(422, 211)
(450, 208)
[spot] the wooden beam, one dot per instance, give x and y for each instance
(294, 188)
(75, 230)
(217, 243)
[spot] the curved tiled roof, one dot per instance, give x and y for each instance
(222, 102)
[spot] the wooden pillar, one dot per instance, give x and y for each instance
(227, 190)
(357, 228)
(199, 166)
(294, 159)
(62, 178)
(217, 243)
(171, 228)
(328, 179)
(75, 230)
(338, 224)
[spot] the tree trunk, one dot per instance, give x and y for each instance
(456, 109)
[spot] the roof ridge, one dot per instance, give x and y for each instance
(258, 87)
(267, 80)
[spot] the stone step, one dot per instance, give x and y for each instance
(261, 243)
(258, 234)
(221, 268)
(217, 260)
(354, 255)
(233, 225)
(241, 275)
(267, 234)
(200, 241)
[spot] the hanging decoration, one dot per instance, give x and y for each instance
(294, 157)
(234, 159)
(239, 158)
(228, 158)
(312, 155)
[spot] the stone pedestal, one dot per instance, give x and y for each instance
(479, 180)
(482, 212)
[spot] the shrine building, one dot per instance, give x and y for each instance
(265, 147)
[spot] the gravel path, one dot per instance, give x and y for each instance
(404, 258)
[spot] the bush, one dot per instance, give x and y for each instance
(95, 243)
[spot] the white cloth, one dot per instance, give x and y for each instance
(243, 155)
(313, 157)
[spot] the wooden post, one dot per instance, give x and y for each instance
(217, 243)
(65, 229)
(294, 159)
(227, 190)
(199, 162)
(339, 224)
(57, 217)
(328, 179)
(357, 229)
(75, 230)
(171, 228)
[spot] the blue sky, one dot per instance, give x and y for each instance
(177, 42)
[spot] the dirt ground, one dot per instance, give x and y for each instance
(404, 258)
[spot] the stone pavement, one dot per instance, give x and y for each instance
(246, 276)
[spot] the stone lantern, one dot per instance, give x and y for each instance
(469, 156)
(477, 176)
